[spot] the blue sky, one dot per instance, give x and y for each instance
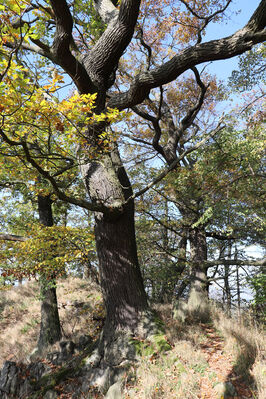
(224, 68)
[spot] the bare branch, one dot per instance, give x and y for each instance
(146, 46)
(192, 113)
(236, 262)
(207, 19)
(60, 194)
(218, 236)
(12, 237)
(174, 164)
(155, 122)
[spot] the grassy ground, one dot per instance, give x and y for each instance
(203, 357)
(80, 309)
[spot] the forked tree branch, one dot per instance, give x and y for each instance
(174, 164)
(61, 47)
(59, 193)
(252, 33)
(206, 19)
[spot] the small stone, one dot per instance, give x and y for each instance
(225, 390)
(94, 359)
(115, 391)
(67, 350)
(53, 357)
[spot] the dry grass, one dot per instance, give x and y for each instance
(174, 374)
(245, 340)
(184, 372)
(79, 301)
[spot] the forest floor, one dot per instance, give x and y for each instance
(205, 359)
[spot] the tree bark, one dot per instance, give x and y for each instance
(226, 282)
(127, 310)
(121, 280)
(198, 296)
(182, 264)
(238, 292)
(50, 331)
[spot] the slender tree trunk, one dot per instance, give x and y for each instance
(226, 281)
(50, 331)
(227, 288)
(238, 292)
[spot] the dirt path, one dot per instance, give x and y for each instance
(221, 369)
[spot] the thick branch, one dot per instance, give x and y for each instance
(107, 11)
(12, 237)
(34, 48)
(228, 47)
(219, 236)
(236, 262)
(102, 60)
(61, 47)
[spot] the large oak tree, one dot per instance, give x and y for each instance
(64, 34)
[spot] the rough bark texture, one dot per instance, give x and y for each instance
(120, 274)
(227, 289)
(121, 280)
(198, 296)
(50, 331)
(127, 311)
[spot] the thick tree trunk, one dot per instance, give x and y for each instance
(198, 249)
(198, 296)
(182, 259)
(121, 281)
(127, 310)
(50, 331)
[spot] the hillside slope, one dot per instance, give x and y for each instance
(223, 359)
